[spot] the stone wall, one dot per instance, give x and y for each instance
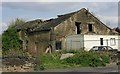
(86, 18)
(68, 27)
(38, 42)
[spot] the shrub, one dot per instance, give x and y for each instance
(92, 59)
(10, 38)
(80, 59)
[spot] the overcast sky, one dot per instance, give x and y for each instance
(107, 12)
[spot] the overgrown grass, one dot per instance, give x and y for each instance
(52, 61)
(80, 59)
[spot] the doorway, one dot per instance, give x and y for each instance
(58, 45)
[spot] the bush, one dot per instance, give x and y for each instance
(10, 38)
(80, 59)
(92, 59)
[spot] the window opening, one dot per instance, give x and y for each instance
(90, 27)
(101, 41)
(78, 28)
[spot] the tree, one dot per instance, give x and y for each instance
(10, 38)
(18, 22)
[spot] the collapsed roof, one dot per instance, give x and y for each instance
(41, 25)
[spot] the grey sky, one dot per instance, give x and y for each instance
(107, 12)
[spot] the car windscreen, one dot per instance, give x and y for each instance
(94, 48)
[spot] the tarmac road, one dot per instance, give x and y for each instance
(109, 69)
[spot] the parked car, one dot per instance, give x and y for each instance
(104, 49)
(113, 52)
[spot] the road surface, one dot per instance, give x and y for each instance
(108, 69)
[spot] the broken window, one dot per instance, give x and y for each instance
(78, 28)
(58, 45)
(90, 28)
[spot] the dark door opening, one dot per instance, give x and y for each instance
(78, 29)
(101, 41)
(90, 27)
(58, 45)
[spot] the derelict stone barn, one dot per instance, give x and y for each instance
(39, 34)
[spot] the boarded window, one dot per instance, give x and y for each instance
(78, 28)
(112, 41)
(90, 28)
(101, 41)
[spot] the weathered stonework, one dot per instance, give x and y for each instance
(53, 32)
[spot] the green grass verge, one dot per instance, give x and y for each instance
(80, 59)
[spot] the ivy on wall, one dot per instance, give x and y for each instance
(10, 38)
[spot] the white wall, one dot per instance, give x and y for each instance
(94, 40)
